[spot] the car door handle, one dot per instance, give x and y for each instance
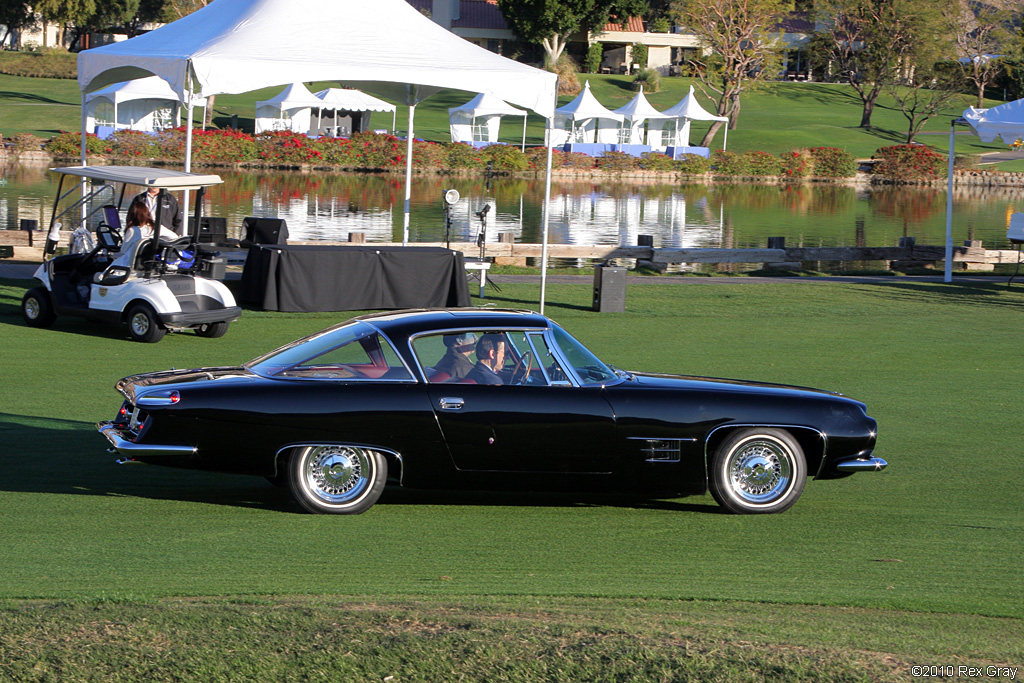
(452, 403)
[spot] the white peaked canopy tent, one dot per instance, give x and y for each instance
(235, 46)
(462, 121)
(1005, 121)
(579, 120)
(347, 100)
(291, 110)
(636, 112)
(685, 111)
(145, 104)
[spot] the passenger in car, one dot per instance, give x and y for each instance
(455, 363)
(490, 357)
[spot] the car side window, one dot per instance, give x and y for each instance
(547, 361)
(365, 357)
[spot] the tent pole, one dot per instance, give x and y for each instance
(547, 217)
(408, 176)
(948, 275)
(523, 147)
(725, 140)
(188, 157)
(84, 146)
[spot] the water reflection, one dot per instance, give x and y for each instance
(327, 207)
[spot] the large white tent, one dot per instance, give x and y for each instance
(353, 105)
(681, 114)
(145, 104)
(465, 125)
(289, 110)
(636, 112)
(235, 46)
(580, 121)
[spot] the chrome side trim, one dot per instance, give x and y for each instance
(132, 450)
(662, 449)
(862, 465)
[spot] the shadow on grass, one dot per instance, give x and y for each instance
(987, 294)
(66, 457)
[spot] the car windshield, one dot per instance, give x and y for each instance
(354, 351)
(588, 367)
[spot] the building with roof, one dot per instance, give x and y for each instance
(481, 22)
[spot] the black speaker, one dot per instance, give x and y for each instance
(212, 229)
(609, 289)
(264, 231)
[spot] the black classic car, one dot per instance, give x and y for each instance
(485, 399)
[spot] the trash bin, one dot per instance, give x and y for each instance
(609, 289)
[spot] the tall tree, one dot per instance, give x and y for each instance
(870, 43)
(14, 16)
(552, 22)
(65, 13)
(983, 35)
(742, 46)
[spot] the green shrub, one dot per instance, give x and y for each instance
(592, 62)
(653, 161)
(68, 144)
(648, 79)
(693, 164)
(728, 163)
(639, 55)
(617, 161)
(966, 161)
(832, 162)
(46, 62)
(762, 164)
(462, 155)
(227, 146)
(285, 147)
(429, 154)
(908, 162)
(133, 144)
(373, 150)
(505, 157)
(796, 164)
(660, 25)
(572, 160)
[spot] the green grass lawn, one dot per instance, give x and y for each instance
(775, 119)
(196, 576)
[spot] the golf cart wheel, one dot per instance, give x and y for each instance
(212, 330)
(143, 325)
(37, 308)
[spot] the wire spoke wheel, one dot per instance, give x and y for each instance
(758, 471)
(337, 479)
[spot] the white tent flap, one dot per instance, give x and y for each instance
(1005, 121)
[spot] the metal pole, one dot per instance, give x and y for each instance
(546, 218)
(948, 275)
(408, 177)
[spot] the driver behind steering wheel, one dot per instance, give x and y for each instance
(140, 227)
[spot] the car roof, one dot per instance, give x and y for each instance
(143, 175)
(411, 322)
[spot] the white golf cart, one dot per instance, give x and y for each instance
(154, 286)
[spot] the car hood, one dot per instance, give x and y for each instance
(129, 386)
(693, 383)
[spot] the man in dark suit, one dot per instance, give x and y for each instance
(490, 358)
(170, 211)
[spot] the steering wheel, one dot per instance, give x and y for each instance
(108, 236)
(524, 364)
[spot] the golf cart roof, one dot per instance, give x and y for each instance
(141, 175)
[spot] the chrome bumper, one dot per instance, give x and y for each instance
(131, 450)
(862, 465)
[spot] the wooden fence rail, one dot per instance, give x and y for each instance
(972, 255)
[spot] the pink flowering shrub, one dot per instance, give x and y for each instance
(908, 162)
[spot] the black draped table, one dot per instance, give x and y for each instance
(304, 277)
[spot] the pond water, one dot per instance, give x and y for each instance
(329, 206)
